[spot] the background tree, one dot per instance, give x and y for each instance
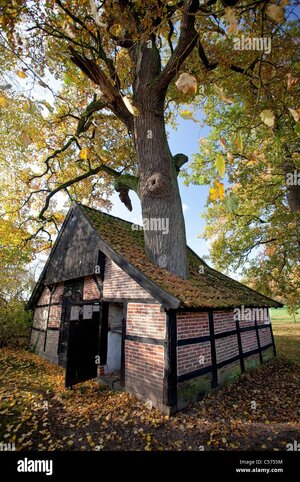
(254, 150)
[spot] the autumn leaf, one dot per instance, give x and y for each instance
(230, 157)
(69, 29)
(217, 192)
(187, 84)
(221, 94)
(295, 113)
(291, 81)
(231, 20)
(21, 74)
(133, 109)
(67, 79)
(25, 139)
(188, 115)
(239, 142)
(223, 142)
(275, 12)
(268, 117)
(27, 106)
(84, 153)
(3, 101)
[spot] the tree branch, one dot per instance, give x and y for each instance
(186, 43)
(110, 93)
(65, 185)
(82, 126)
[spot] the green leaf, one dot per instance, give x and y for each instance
(231, 203)
(297, 128)
(220, 164)
(67, 79)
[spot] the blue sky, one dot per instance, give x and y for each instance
(185, 140)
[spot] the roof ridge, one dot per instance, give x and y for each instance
(106, 214)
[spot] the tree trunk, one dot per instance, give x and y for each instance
(164, 229)
(292, 185)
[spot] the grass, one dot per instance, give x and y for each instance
(282, 315)
(287, 340)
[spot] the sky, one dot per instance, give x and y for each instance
(185, 140)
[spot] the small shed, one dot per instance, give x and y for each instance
(101, 308)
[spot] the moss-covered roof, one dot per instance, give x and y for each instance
(211, 289)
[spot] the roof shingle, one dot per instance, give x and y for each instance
(211, 289)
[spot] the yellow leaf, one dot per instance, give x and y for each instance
(187, 115)
(224, 440)
(84, 153)
(21, 74)
(26, 106)
(275, 12)
(217, 192)
(230, 157)
(131, 106)
(3, 101)
(239, 142)
(25, 138)
(295, 113)
(230, 18)
(267, 117)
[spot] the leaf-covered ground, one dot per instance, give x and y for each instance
(260, 411)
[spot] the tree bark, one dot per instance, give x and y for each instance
(158, 188)
(292, 190)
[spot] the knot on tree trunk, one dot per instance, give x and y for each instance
(156, 185)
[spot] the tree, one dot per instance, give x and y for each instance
(121, 59)
(253, 147)
(16, 283)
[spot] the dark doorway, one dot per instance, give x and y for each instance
(83, 343)
(73, 293)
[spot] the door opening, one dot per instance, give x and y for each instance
(114, 338)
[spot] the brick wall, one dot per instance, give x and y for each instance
(249, 341)
(226, 348)
(48, 310)
(191, 325)
(37, 341)
(90, 289)
(146, 319)
(118, 284)
(224, 321)
(51, 346)
(144, 369)
(193, 357)
(144, 362)
(265, 336)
